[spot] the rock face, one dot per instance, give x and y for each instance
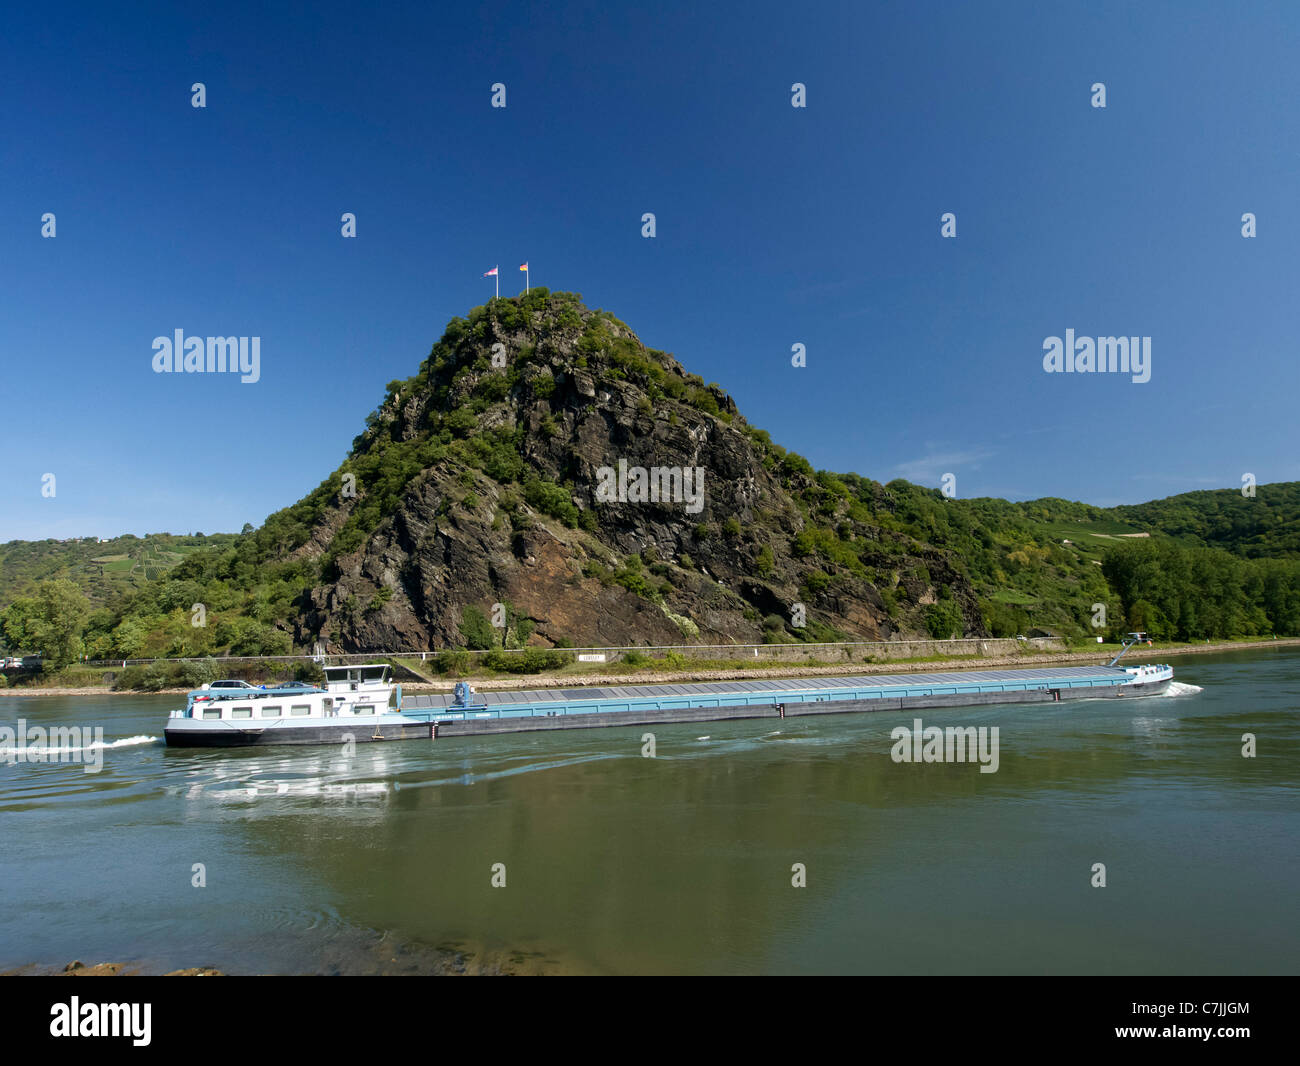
(538, 465)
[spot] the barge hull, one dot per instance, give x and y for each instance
(430, 726)
(212, 737)
(484, 727)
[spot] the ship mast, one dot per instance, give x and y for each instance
(1129, 641)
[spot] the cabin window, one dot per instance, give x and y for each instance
(214, 712)
(364, 708)
(300, 709)
(271, 712)
(241, 712)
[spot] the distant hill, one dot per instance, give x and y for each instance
(103, 569)
(1266, 525)
(472, 511)
(1048, 562)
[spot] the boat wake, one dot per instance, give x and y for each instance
(291, 788)
(98, 745)
(1177, 688)
(527, 767)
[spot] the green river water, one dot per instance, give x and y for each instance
(682, 863)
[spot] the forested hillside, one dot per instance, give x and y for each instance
(1047, 562)
(468, 513)
(1263, 525)
(103, 569)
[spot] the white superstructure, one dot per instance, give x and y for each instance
(1148, 675)
(349, 692)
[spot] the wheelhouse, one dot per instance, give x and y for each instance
(364, 689)
(357, 678)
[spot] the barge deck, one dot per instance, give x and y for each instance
(576, 708)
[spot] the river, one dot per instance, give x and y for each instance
(306, 860)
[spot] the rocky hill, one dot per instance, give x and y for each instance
(492, 477)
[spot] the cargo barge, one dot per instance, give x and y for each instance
(355, 703)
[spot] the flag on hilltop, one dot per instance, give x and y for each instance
(524, 267)
(493, 274)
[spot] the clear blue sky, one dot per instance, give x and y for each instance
(776, 225)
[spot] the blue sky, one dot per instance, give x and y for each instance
(775, 226)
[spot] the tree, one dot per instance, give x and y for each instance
(49, 623)
(129, 637)
(476, 629)
(943, 619)
(1146, 617)
(17, 624)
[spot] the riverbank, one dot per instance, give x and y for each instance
(379, 956)
(106, 969)
(655, 673)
